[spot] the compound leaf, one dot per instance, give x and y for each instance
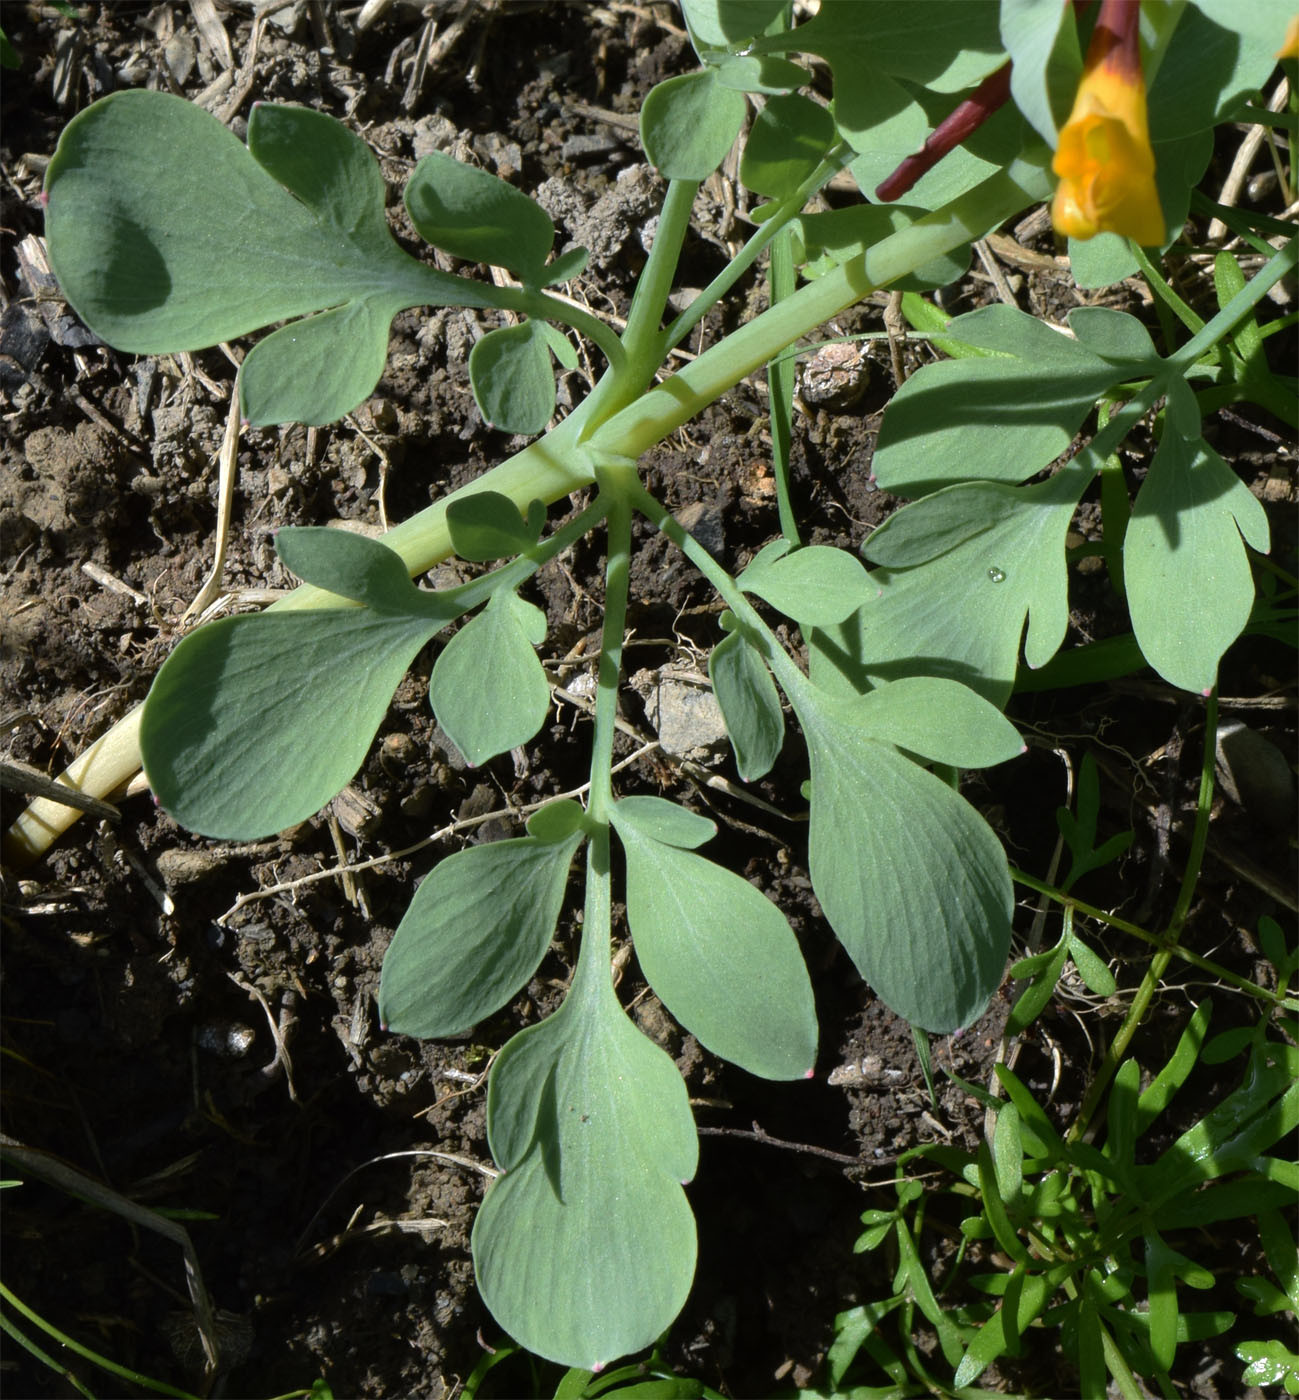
(1001, 418)
(584, 1247)
(719, 955)
(155, 260)
(488, 689)
(1190, 588)
(474, 933)
(963, 569)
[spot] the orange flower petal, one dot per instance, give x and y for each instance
(1104, 159)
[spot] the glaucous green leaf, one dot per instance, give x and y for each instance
(718, 954)
(939, 719)
(876, 51)
(667, 822)
(689, 123)
(255, 722)
(750, 704)
(355, 567)
(728, 24)
(567, 266)
(996, 145)
(992, 555)
(513, 383)
(488, 689)
(1219, 54)
(472, 214)
(557, 820)
(999, 419)
(486, 525)
(787, 141)
(753, 72)
(1190, 588)
(560, 345)
(304, 371)
(1116, 337)
(474, 933)
(1182, 410)
(584, 1248)
(815, 585)
(911, 878)
(1042, 41)
(154, 260)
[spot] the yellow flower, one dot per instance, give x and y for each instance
(1104, 159)
(1290, 44)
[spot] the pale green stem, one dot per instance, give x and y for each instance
(617, 572)
(774, 222)
(643, 337)
(666, 407)
(597, 923)
(780, 392)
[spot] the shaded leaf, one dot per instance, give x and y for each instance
(1189, 583)
(472, 214)
(513, 383)
(153, 261)
(912, 880)
(486, 525)
(787, 141)
(993, 555)
(255, 722)
(997, 419)
(750, 705)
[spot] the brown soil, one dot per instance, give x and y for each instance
(143, 963)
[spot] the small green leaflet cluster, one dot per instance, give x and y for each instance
(1088, 1231)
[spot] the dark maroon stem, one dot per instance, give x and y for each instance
(949, 133)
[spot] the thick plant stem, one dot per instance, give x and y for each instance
(617, 573)
(555, 466)
(597, 919)
(666, 407)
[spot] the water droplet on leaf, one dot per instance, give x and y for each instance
(997, 575)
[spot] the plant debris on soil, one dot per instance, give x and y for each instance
(193, 1025)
